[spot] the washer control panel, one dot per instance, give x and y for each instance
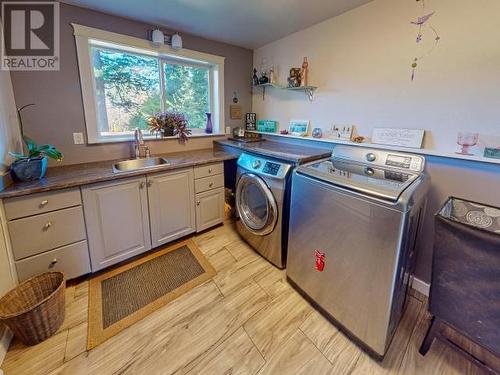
(380, 158)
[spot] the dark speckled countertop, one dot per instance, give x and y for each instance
(82, 174)
(280, 150)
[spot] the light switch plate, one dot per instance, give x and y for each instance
(78, 139)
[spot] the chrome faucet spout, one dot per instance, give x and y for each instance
(139, 142)
(139, 138)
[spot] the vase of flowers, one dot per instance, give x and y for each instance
(31, 163)
(168, 124)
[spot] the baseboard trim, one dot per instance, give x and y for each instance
(421, 286)
(5, 339)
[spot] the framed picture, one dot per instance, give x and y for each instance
(267, 126)
(299, 127)
(235, 112)
(250, 121)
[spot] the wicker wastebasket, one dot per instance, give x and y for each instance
(34, 310)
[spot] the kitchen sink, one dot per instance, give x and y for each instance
(135, 164)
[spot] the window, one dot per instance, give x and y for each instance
(124, 84)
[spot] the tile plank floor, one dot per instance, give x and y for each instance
(247, 320)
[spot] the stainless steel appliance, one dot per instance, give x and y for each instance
(262, 196)
(354, 220)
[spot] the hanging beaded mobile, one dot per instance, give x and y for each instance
(423, 25)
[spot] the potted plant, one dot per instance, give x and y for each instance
(31, 163)
(168, 124)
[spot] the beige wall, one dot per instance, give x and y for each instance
(9, 130)
(361, 63)
(59, 112)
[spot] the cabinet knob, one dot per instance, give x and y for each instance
(150, 183)
(198, 203)
(43, 203)
(211, 184)
(47, 225)
(209, 170)
(54, 261)
(141, 185)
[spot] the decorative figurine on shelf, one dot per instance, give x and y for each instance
(317, 133)
(272, 75)
(294, 78)
(255, 79)
(304, 72)
(263, 79)
(358, 139)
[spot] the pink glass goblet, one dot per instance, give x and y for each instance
(466, 140)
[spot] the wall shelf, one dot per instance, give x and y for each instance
(264, 86)
(420, 151)
(308, 90)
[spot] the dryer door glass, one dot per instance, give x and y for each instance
(256, 204)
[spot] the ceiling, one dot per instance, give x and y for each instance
(246, 23)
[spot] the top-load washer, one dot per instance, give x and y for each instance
(262, 204)
(354, 220)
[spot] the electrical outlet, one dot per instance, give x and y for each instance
(228, 130)
(78, 139)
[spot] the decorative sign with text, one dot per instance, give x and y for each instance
(398, 137)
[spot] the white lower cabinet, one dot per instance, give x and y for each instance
(209, 209)
(117, 219)
(171, 205)
(129, 216)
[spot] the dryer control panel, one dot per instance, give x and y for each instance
(261, 166)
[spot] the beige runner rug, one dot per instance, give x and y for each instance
(127, 294)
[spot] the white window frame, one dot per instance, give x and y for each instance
(85, 36)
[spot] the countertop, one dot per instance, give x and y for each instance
(87, 173)
(280, 150)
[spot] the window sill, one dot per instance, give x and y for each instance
(152, 138)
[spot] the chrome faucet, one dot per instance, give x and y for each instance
(139, 143)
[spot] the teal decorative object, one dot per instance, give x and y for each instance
(268, 126)
(493, 153)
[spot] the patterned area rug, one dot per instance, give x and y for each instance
(125, 295)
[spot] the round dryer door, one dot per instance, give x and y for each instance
(256, 204)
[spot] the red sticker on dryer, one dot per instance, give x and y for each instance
(320, 260)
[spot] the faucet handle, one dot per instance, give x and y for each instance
(147, 152)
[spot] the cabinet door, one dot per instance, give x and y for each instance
(117, 220)
(209, 209)
(171, 205)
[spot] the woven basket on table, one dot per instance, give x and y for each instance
(34, 310)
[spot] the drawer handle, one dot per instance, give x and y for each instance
(54, 262)
(198, 203)
(43, 203)
(47, 226)
(211, 184)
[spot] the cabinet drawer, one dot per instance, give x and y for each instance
(208, 170)
(36, 234)
(208, 183)
(40, 203)
(73, 260)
